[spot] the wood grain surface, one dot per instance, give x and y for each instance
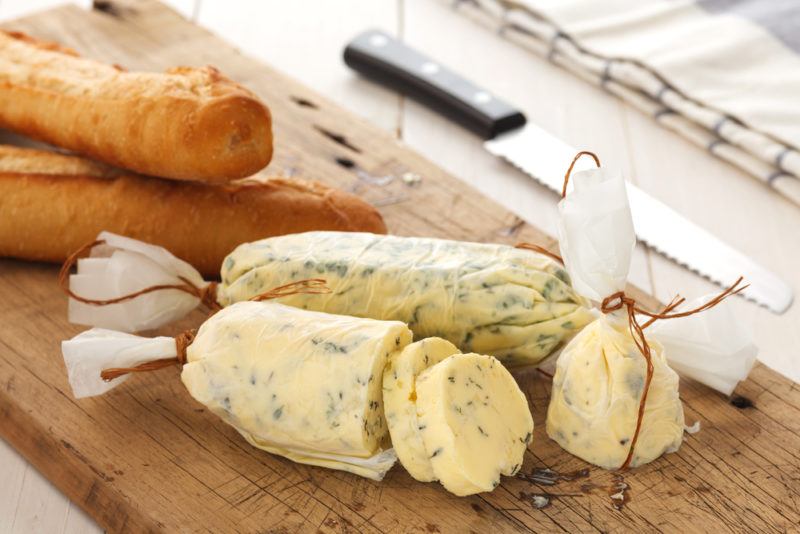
(146, 457)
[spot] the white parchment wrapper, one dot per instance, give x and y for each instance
(90, 352)
(123, 266)
(713, 346)
(597, 239)
(595, 232)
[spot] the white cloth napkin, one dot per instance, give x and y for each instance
(725, 74)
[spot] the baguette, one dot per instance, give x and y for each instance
(52, 204)
(185, 124)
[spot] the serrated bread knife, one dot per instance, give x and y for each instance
(545, 158)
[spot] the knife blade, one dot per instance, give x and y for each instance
(544, 157)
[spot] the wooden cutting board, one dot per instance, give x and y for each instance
(147, 457)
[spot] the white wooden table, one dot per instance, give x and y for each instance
(305, 40)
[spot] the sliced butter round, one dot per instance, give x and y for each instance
(474, 421)
(399, 397)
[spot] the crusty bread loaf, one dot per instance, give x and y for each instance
(186, 123)
(32, 161)
(52, 204)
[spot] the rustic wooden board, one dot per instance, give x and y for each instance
(147, 457)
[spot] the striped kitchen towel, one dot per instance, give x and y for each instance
(723, 73)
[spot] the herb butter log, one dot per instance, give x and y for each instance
(301, 384)
(492, 299)
(594, 404)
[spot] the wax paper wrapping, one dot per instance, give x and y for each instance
(123, 266)
(595, 232)
(90, 352)
(712, 347)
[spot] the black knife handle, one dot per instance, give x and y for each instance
(389, 62)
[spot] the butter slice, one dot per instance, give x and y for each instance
(474, 421)
(302, 384)
(597, 388)
(399, 399)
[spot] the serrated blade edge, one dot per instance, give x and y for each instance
(544, 157)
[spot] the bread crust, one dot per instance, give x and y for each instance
(63, 202)
(186, 123)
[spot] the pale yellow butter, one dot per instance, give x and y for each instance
(399, 400)
(493, 299)
(597, 387)
(474, 421)
(303, 384)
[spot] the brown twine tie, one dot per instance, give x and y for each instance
(541, 250)
(182, 342)
(207, 294)
(537, 248)
(572, 165)
(311, 286)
